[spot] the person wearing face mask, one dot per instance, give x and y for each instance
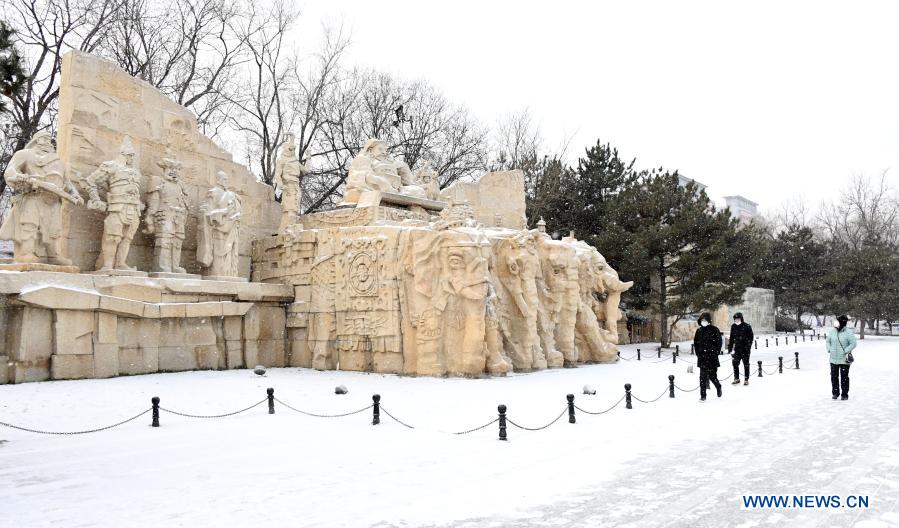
(740, 345)
(840, 343)
(707, 345)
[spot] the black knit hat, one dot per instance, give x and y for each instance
(739, 315)
(843, 319)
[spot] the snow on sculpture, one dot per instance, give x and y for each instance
(219, 231)
(40, 185)
(121, 181)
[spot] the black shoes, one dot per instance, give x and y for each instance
(835, 396)
(844, 397)
(719, 392)
(746, 382)
(736, 381)
(702, 399)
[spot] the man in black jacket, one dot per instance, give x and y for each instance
(707, 344)
(740, 345)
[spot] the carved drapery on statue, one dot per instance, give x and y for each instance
(219, 233)
(374, 170)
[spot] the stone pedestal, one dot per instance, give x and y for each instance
(167, 275)
(225, 279)
(39, 266)
(119, 273)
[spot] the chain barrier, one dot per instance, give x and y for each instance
(70, 433)
(477, 428)
(538, 428)
(678, 387)
(601, 412)
(397, 420)
(292, 408)
(651, 401)
(186, 415)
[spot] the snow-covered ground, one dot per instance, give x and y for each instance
(674, 462)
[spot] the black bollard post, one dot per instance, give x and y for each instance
(797, 360)
(803, 338)
(766, 342)
(659, 352)
(780, 364)
(638, 354)
(796, 339)
(760, 369)
(674, 357)
(570, 399)
(271, 400)
(627, 396)
(776, 341)
(677, 348)
(376, 409)
(155, 401)
(502, 422)
(692, 349)
(671, 385)
(756, 344)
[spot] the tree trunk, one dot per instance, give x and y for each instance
(861, 334)
(665, 338)
(877, 327)
(799, 320)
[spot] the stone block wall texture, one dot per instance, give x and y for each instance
(99, 104)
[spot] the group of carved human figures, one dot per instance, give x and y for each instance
(41, 183)
(507, 302)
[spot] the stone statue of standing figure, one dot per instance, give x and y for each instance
(39, 182)
(167, 206)
(289, 172)
(122, 206)
(219, 229)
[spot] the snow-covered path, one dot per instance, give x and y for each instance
(671, 463)
(822, 447)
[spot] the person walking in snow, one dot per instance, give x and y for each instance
(707, 345)
(740, 345)
(840, 344)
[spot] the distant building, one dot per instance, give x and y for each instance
(742, 208)
(683, 181)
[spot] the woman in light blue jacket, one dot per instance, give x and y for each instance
(840, 342)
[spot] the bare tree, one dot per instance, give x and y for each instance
(188, 49)
(868, 212)
(45, 31)
(516, 141)
(264, 96)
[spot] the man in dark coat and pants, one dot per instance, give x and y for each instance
(740, 345)
(707, 344)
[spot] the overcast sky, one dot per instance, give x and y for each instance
(764, 99)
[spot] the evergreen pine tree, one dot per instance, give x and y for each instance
(12, 72)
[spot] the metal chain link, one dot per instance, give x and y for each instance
(477, 428)
(676, 386)
(651, 401)
(322, 415)
(395, 419)
(538, 428)
(186, 415)
(601, 412)
(67, 433)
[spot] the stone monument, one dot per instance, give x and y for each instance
(123, 206)
(217, 246)
(41, 188)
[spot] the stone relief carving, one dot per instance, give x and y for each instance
(41, 187)
(219, 230)
(166, 216)
(121, 181)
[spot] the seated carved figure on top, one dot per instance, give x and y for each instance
(41, 188)
(375, 176)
